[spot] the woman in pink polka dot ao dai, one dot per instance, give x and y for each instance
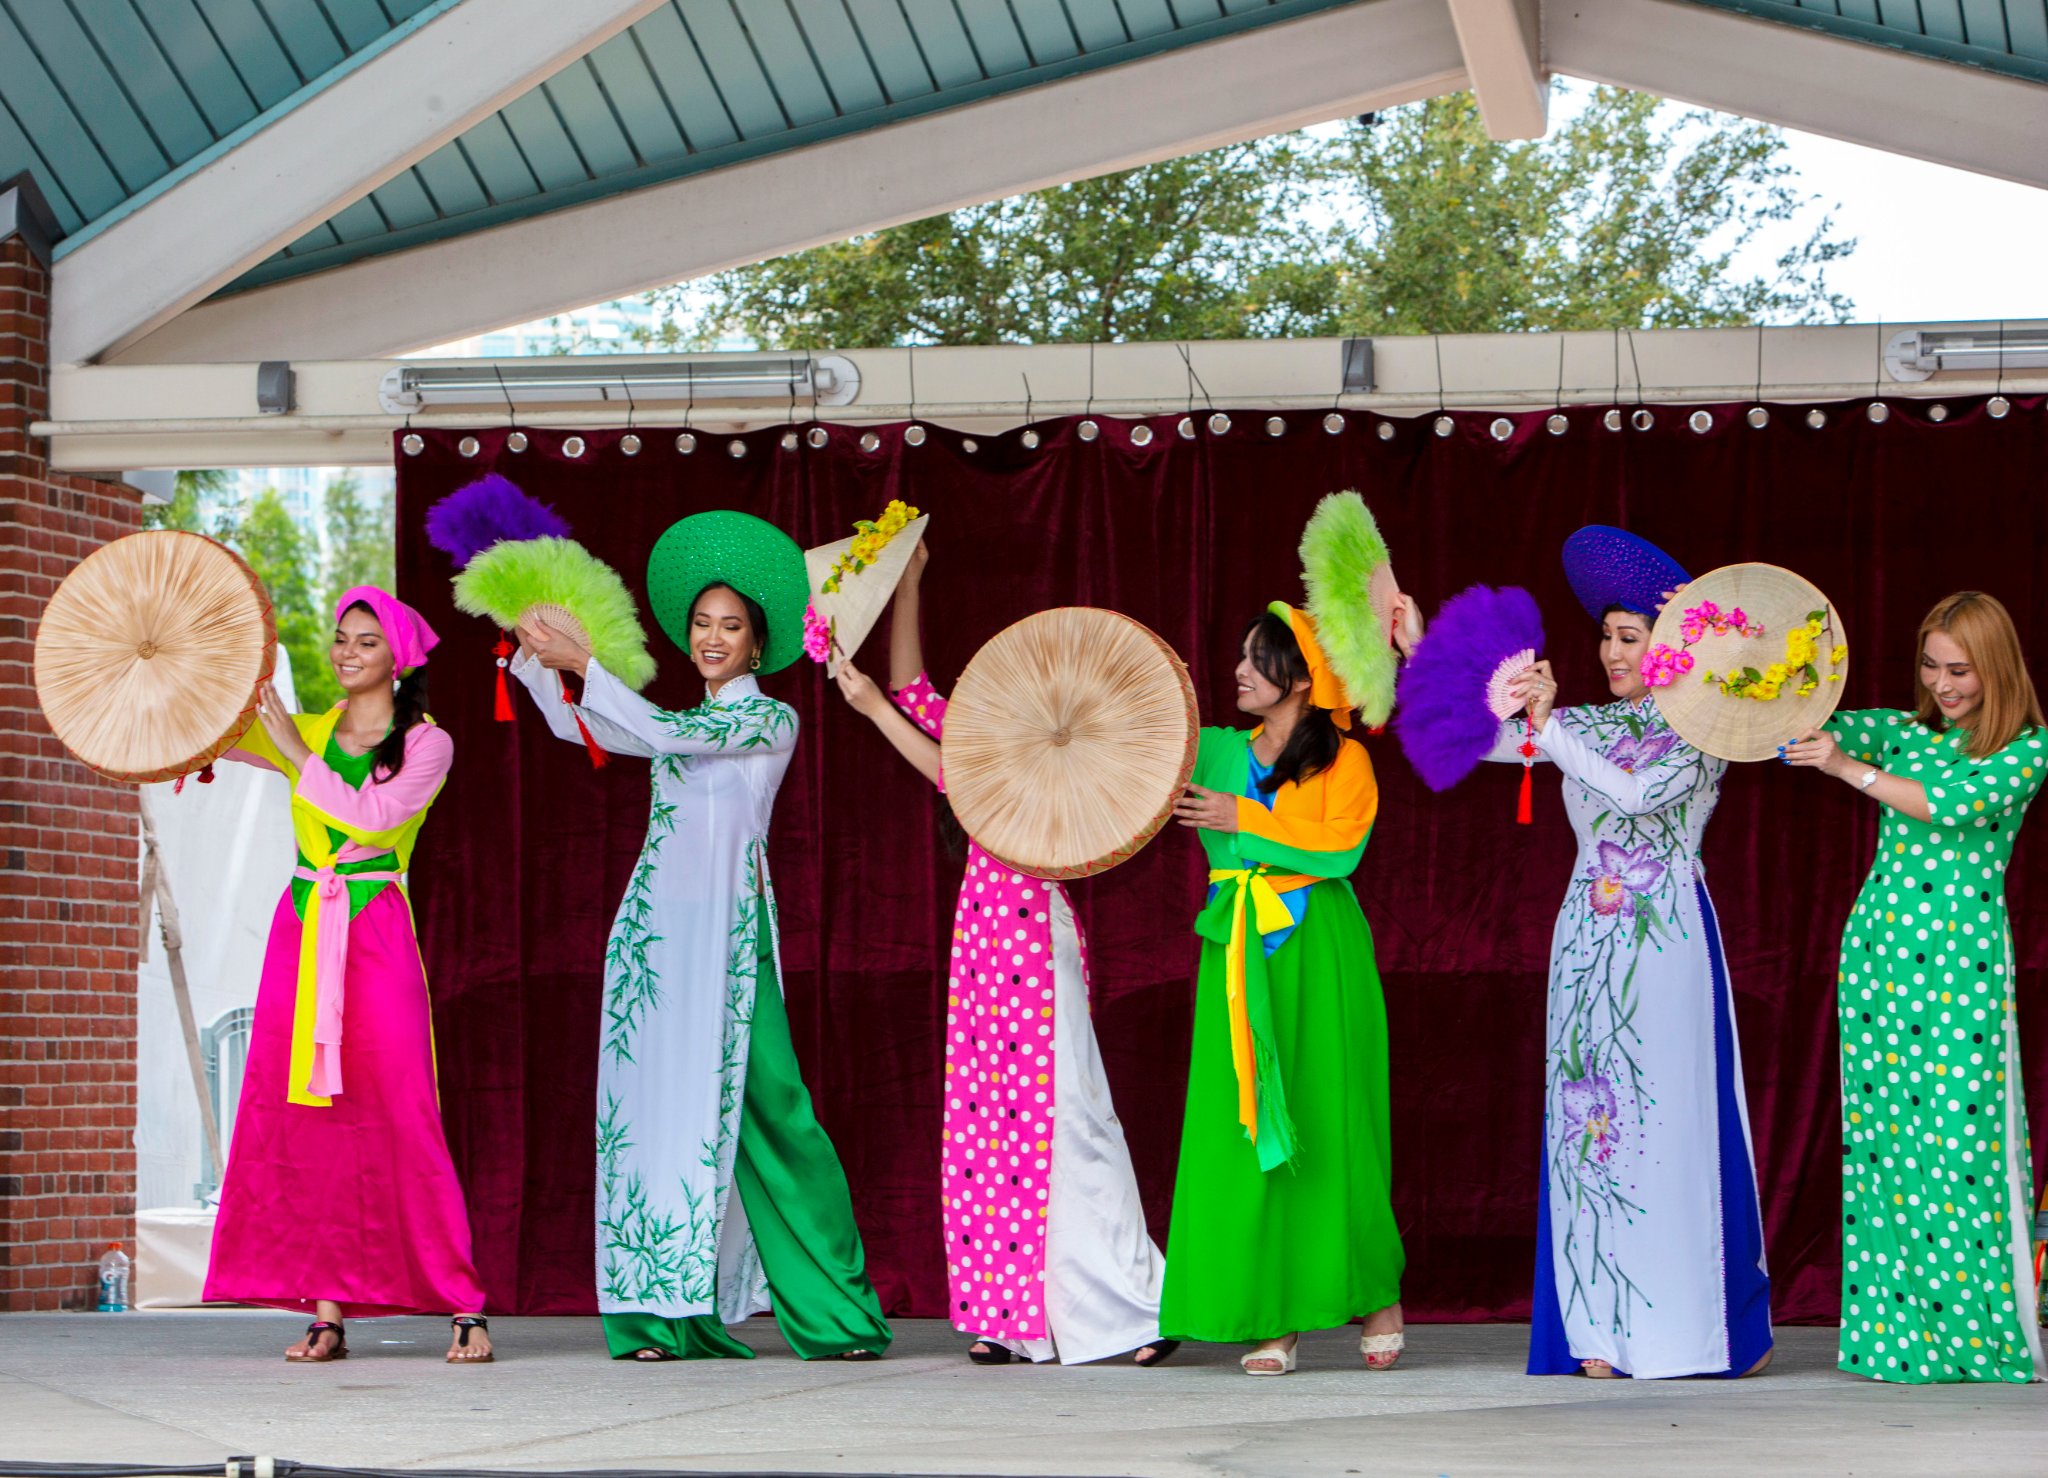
(1047, 1256)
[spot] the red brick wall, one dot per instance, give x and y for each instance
(69, 864)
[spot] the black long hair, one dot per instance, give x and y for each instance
(757, 619)
(408, 707)
(1314, 745)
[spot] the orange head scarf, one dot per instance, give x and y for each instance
(1324, 688)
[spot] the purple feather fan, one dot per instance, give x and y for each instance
(489, 511)
(1452, 692)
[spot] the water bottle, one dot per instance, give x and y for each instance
(114, 1281)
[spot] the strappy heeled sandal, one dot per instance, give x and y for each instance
(1272, 1351)
(313, 1356)
(1158, 1352)
(1382, 1351)
(466, 1323)
(986, 1352)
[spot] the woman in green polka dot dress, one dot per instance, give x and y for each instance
(1937, 1281)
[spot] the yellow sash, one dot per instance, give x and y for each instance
(1261, 889)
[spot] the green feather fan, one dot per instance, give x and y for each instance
(1341, 551)
(515, 575)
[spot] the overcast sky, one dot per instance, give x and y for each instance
(1933, 242)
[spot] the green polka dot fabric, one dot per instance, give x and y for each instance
(1936, 1192)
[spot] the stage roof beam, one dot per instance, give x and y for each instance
(1891, 99)
(1353, 59)
(1502, 44)
(327, 146)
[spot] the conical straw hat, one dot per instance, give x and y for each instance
(1732, 726)
(1067, 740)
(858, 603)
(152, 653)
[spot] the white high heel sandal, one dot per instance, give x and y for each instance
(1285, 1354)
(1387, 1345)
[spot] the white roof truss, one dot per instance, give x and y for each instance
(301, 165)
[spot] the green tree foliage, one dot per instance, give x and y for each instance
(1614, 221)
(193, 495)
(288, 563)
(1195, 248)
(1414, 222)
(361, 540)
(303, 584)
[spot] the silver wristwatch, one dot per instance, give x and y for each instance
(1869, 778)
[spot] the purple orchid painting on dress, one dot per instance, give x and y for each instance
(1590, 1111)
(1637, 752)
(1619, 875)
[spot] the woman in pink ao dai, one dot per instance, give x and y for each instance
(1047, 1256)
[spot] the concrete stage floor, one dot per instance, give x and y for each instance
(197, 1387)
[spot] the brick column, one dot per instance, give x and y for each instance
(69, 855)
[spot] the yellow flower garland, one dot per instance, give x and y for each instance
(1802, 660)
(870, 537)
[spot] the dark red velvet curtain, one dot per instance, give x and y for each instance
(526, 855)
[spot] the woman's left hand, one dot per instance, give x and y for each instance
(1206, 809)
(1818, 750)
(277, 723)
(555, 650)
(859, 690)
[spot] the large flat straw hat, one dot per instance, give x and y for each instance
(1067, 739)
(1771, 602)
(152, 653)
(858, 603)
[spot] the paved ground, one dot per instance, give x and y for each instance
(194, 1387)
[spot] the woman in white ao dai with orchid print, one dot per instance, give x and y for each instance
(1650, 1257)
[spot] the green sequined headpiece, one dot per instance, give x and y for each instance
(752, 556)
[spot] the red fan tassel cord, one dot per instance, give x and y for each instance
(597, 754)
(1525, 811)
(503, 651)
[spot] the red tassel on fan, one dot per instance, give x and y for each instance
(1525, 812)
(597, 754)
(206, 775)
(503, 650)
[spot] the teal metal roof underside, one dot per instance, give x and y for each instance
(108, 102)
(2008, 36)
(102, 100)
(700, 84)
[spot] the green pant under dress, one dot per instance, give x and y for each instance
(790, 1182)
(1254, 1254)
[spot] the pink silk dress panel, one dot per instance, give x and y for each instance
(357, 1202)
(998, 1122)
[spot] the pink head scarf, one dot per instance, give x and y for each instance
(405, 629)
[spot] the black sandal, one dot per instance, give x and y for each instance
(856, 1355)
(313, 1356)
(466, 1323)
(1158, 1352)
(982, 1352)
(652, 1355)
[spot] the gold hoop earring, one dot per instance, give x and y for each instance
(755, 665)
